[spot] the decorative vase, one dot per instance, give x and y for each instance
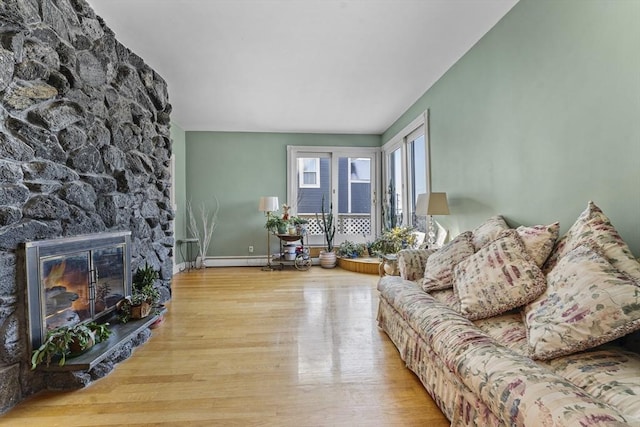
(327, 259)
(391, 268)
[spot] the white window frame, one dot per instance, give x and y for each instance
(293, 151)
(400, 141)
(359, 180)
(301, 172)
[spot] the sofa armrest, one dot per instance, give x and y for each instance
(411, 263)
(520, 392)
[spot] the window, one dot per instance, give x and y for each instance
(406, 173)
(360, 170)
(308, 172)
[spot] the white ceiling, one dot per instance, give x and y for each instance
(313, 66)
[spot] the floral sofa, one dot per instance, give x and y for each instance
(517, 327)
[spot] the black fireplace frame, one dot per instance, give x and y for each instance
(36, 250)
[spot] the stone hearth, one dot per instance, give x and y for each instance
(84, 148)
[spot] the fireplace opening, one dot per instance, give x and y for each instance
(75, 280)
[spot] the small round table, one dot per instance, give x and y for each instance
(190, 259)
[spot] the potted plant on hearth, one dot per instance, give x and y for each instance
(144, 296)
(69, 341)
(328, 257)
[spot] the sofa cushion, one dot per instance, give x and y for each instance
(508, 329)
(488, 231)
(593, 227)
(607, 373)
(587, 302)
(539, 240)
(499, 277)
(439, 267)
(411, 263)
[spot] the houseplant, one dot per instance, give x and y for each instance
(276, 224)
(144, 295)
(68, 341)
(328, 257)
(300, 224)
(393, 240)
(348, 249)
(390, 243)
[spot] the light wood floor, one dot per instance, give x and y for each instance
(243, 347)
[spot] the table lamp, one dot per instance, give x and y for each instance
(432, 204)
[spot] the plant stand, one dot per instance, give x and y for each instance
(301, 259)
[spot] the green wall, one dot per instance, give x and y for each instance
(178, 137)
(541, 116)
(238, 168)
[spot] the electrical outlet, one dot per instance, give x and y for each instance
(250, 249)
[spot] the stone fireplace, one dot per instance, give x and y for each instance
(85, 149)
(75, 280)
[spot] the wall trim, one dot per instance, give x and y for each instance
(243, 261)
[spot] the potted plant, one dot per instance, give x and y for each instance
(275, 224)
(69, 341)
(328, 257)
(300, 224)
(390, 243)
(348, 249)
(144, 296)
(393, 240)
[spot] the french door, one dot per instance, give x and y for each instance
(346, 179)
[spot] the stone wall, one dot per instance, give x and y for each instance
(84, 148)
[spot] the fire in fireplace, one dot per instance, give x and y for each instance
(75, 280)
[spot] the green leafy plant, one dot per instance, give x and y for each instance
(143, 292)
(67, 341)
(326, 225)
(296, 220)
(143, 284)
(348, 249)
(393, 240)
(275, 223)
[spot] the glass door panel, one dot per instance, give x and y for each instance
(313, 183)
(393, 201)
(418, 178)
(354, 198)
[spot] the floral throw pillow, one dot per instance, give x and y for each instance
(588, 302)
(539, 240)
(499, 277)
(593, 227)
(488, 231)
(438, 270)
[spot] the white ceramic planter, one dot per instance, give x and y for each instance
(327, 259)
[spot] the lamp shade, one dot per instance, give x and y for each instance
(437, 204)
(422, 204)
(268, 204)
